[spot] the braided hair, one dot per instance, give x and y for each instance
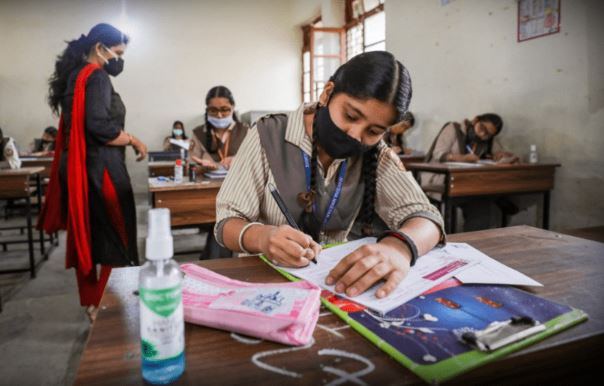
(371, 75)
(216, 92)
(75, 54)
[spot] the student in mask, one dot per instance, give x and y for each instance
(470, 141)
(44, 146)
(90, 193)
(178, 132)
(331, 166)
(217, 141)
(395, 138)
(9, 155)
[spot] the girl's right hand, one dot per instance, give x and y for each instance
(470, 157)
(208, 165)
(288, 246)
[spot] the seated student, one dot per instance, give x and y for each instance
(331, 166)
(44, 146)
(395, 137)
(9, 155)
(178, 132)
(217, 141)
(470, 141)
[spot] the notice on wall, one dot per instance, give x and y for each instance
(538, 18)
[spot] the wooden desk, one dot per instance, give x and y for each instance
(463, 182)
(14, 184)
(569, 268)
(412, 158)
(190, 203)
(45, 162)
(161, 168)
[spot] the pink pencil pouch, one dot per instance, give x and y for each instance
(280, 312)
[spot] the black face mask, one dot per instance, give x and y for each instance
(114, 66)
(334, 140)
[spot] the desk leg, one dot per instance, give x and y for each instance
(546, 199)
(39, 197)
(448, 214)
(30, 241)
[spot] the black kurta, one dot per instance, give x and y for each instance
(104, 119)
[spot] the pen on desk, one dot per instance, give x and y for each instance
(281, 204)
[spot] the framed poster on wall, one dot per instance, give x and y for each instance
(538, 18)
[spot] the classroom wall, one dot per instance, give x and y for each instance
(179, 49)
(464, 60)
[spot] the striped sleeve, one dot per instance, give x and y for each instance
(242, 191)
(399, 197)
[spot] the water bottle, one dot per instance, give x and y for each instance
(178, 171)
(162, 324)
(533, 156)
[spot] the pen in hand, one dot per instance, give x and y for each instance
(281, 204)
(469, 149)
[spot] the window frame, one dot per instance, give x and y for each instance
(352, 22)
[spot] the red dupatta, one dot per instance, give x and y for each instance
(77, 223)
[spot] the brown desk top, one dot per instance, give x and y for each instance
(160, 163)
(442, 167)
(570, 269)
(31, 158)
(167, 186)
(21, 171)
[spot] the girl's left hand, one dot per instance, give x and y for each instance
(227, 162)
(387, 260)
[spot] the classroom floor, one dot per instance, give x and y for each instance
(43, 328)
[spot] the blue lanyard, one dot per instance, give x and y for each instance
(336, 194)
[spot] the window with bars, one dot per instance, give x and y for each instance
(325, 49)
(365, 26)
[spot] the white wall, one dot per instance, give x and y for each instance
(179, 49)
(464, 60)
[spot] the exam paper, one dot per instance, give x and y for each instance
(430, 270)
(488, 270)
(184, 143)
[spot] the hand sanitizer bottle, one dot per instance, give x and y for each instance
(533, 156)
(178, 176)
(161, 313)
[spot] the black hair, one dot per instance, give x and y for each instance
(184, 133)
(217, 92)
(52, 131)
(371, 75)
(409, 117)
(75, 54)
(493, 118)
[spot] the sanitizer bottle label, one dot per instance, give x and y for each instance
(162, 327)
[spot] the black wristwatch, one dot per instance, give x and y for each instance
(405, 239)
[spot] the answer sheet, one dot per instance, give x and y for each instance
(430, 270)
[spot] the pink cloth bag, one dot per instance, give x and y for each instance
(280, 312)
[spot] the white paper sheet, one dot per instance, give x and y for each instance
(488, 270)
(184, 143)
(430, 270)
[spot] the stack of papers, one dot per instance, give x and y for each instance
(217, 174)
(458, 260)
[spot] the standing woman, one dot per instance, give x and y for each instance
(90, 193)
(219, 138)
(331, 166)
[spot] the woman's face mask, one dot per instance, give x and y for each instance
(177, 132)
(221, 123)
(113, 66)
(334, 140)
